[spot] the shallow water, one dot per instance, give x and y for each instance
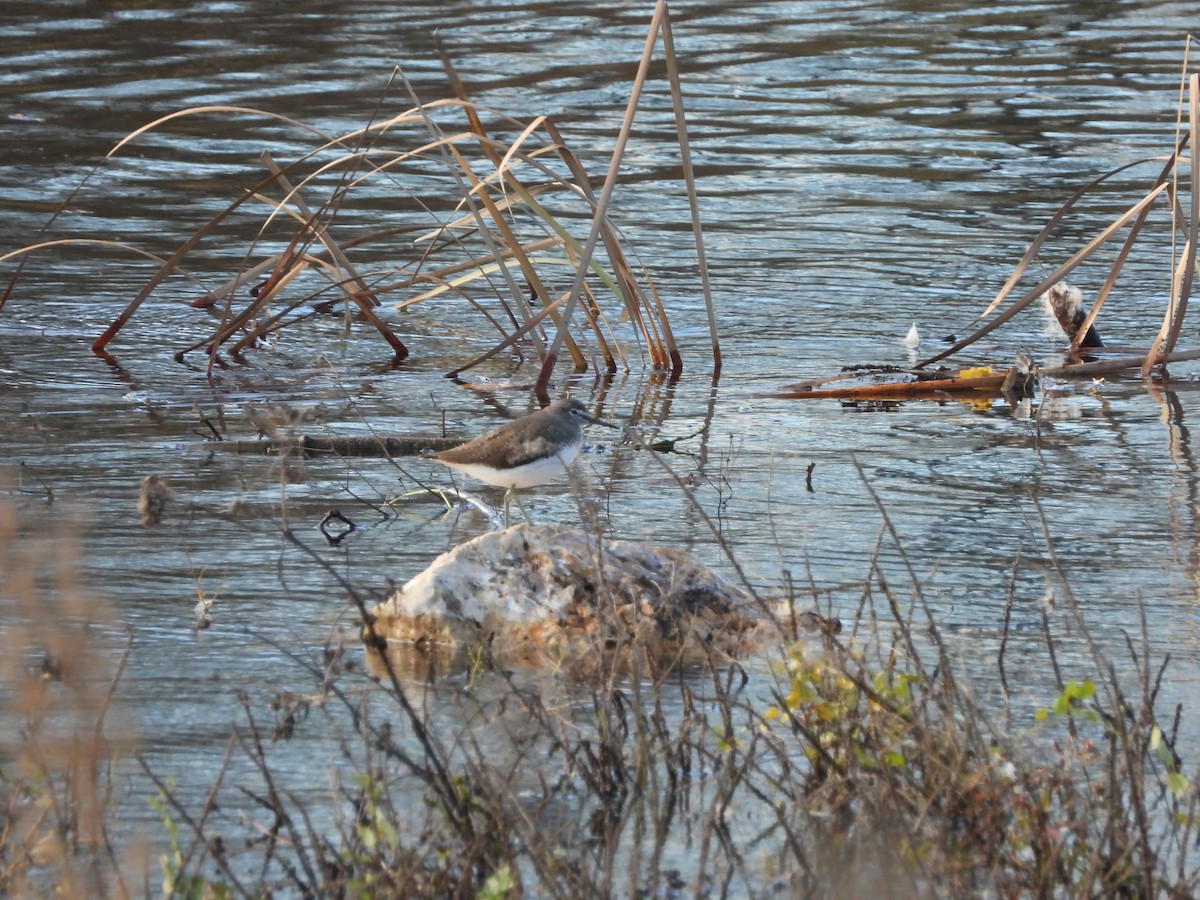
(861, 165)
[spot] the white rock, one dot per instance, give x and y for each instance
(559, 596)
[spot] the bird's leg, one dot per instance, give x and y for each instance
(521, 506)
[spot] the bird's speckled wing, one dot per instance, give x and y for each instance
(496, 449)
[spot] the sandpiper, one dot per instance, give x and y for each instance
(524, 452)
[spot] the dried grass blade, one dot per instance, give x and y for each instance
(486, 145)
(412, 115)
(85, 242)
(1170, 316)
(505, 165)
(231, 285)
(458, 168)
(597, 320)
(610, 182)
(168, 266)
(502, 166)
(504, 170)
(460, 91)
(527, 197)
(318, 231)
(480, 268)
(467, 223)
(1105, 289)
(667, 356)
(689, 181)
(526, 328)
(290, 265)
(622, 283)
(1186, 270)
(625, 285)
(361, 295)
(515, 247)
(100, 343)
(474, 268)
(286, 267)
(200, 110)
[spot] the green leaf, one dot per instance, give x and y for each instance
(498, 885)
(1177, 783)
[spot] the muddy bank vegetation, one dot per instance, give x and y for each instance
(842, 763)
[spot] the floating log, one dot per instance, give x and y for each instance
(921, 386)
(910, 390)
(1111, 366)
(973, 381)
(364, 445)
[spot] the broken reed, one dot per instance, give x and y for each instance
(495, 232)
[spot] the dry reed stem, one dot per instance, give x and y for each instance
(525, 195)
(319, 232)
(1181, 282)
(527, 267)
(1110, 280)
(89, 242)
(1164, 177)
(1053, 222)
(616, 282)
(624, 285)
(689, 180)
(606, 192)
(458, 167)
(171, 264)
(1183, 272)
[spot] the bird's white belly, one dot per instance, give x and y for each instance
(528, 475)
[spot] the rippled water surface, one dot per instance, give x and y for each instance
(861, 166)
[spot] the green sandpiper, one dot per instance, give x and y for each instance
(525, 452)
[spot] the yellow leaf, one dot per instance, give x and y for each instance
(976, 372)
